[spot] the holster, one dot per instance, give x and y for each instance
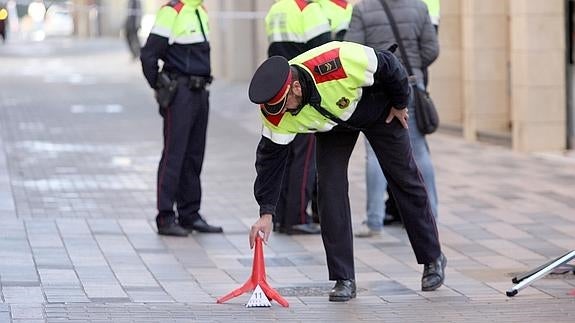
(166, 89)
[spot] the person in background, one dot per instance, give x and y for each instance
(132, 26)
(391, 214)
(179, 38)
(336, 91)
(339, 14)
(370, 26)
(3, 22)
(292, 27)
(434, 12)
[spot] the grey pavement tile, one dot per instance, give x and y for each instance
(19, 276)
(27, 311)
(45, 240)
(511, 249)
(105, 226)
(22, 294)
(186, 292)
(58, 277)
(560, 197)
(104, 290)
(100, 273)
(56, 258)
(21, 283)
(15, 245)
(68, 294)
(541, 247)
(158, 296)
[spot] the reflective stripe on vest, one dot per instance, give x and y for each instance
(180, 25)
(340, 70)
(278, 138)
(295, 21)
(338, 12)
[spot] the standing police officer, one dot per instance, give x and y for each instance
(294, 26)
(337, 90)
(339, 14)
(179, 38)
(132, 26)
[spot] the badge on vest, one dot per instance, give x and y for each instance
(343, 102)
(328, 67)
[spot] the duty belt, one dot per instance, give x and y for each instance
(193, 82)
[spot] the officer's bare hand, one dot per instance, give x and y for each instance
(400, 114)
(263, 225)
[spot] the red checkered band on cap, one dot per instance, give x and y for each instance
(282, 92)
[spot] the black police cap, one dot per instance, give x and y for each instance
(270, 83)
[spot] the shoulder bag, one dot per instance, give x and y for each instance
(425, 113)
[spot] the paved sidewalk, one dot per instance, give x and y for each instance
(79, 146)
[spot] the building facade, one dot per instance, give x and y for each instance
(503, 72)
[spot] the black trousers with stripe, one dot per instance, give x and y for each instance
(393, 150)
(298, 182)
(178, 182)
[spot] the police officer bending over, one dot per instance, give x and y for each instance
(337, 90)
(179, 38)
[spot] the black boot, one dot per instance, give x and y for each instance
(433, 274)
(343, 291)
(200, 225)
(168, 227)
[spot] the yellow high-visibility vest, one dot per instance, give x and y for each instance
(340, 71)
(433, 7)
(338, 12)
(295, 21)
(178, 21)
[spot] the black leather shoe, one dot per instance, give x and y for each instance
(433, 274)
(200, 225)
(343, 291)
(172, 229)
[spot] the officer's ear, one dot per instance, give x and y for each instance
(296, 88)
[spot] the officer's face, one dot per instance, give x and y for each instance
(294, 96)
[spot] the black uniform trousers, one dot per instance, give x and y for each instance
(298, 182)
(393, 150)
(185, 125)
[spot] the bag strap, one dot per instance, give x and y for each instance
(397, 36)
(324, 112)
(201, 26)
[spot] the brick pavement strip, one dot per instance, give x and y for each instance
(358, 310)
(78, 242)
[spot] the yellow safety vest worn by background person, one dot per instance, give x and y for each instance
(294, 26)
(433, 7)
(180, 38)
(339, 14)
